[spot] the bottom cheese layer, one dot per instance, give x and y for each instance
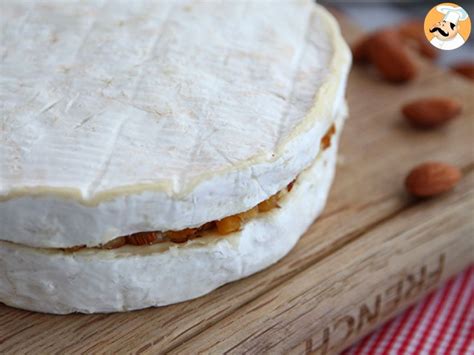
(129, 278)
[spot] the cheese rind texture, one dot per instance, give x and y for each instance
(129, 278)
(120, 118)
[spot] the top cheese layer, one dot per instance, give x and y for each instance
(179, 103)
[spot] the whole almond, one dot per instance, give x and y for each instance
(431, 112)
(465, 69)
(360, 50)
(412, 31)
(426, 49)
(411, 28)
(390, 57)
(432, 178)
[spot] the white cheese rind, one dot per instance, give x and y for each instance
(164, 136)
(130, 278)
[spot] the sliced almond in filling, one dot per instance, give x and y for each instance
(326, 140)
(115, 243)
(182, 235)
(143, 238)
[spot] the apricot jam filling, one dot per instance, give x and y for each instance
(221, 227)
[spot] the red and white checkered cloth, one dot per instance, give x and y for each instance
(442, 323)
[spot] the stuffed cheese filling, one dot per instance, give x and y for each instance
(221, 227)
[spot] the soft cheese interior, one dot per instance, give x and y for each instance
(116, 122)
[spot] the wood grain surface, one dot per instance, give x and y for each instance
(372, 252)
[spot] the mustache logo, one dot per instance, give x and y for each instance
(443, 33)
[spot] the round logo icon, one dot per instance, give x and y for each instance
(447, 26)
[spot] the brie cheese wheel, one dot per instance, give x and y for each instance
(128, 278)
(121, 117)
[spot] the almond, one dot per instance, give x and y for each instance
(326, 140)
(144, 238)
(205, 227)
(427, 50)
(115, 243)
(181, 236)
(431, 112)
(390, 57)
(289, 187)
(413, 32)
(432, 178)
(360, 50)
(465, 69)
(411, 28)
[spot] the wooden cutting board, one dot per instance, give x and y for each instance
(372, 252)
